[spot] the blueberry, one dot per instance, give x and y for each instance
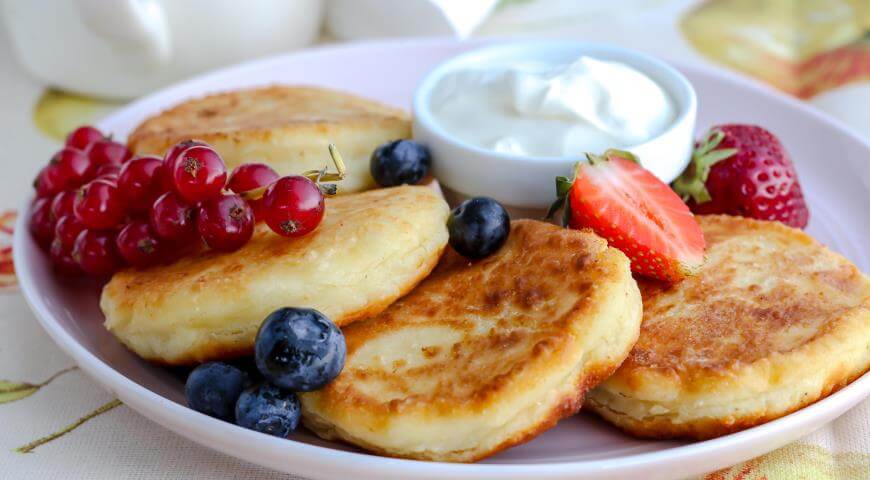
(398, 162)
(213, 388)
(478, 227)
(268, 409)
(249, 366)
(299, 349)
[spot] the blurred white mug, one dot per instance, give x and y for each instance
(124, 48)
(355, 19)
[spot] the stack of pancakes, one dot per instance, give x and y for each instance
(453, 360)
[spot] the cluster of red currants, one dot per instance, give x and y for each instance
(98, 208)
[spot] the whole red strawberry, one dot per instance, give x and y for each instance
(743, 170)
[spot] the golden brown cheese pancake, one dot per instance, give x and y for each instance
(370, 249)
(486, 354)
(288, 128)
(773, 321)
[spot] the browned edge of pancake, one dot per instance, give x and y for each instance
(708, 428)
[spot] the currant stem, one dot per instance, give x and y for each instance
(336, 158)
(254, 194)
(317, 176)
(323, 175)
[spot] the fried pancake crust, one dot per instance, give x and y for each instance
(486, 354)
(288, 128)
(370, 249)
(773, 321)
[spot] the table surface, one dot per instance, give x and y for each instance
(73, 429)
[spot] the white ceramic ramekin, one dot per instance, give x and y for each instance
(528, 182)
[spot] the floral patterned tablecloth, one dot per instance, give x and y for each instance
(55, 422)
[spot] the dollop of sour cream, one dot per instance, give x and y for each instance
(545, 110)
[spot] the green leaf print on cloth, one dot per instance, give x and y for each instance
(799, 461)
(12, 391)
(63, 431)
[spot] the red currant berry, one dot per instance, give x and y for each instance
(96, 253)
(173, 219)
(225, 223)
(67, 169)
(98, 204)
(106, 151)
(293, 206)
(67, 230)
(41, 222)
(108, 170)
(83, 137)
(251, 176)
(62, 259)
(74, 165)
(199, 174)
(140, 182)
(164, 179)
(38, 183)
(62, 204)
(175, 151)
(52, 180)
(172, 156)
(139, 245)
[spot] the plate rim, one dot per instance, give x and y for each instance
(187, 422)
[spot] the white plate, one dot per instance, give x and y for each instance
(834, 166)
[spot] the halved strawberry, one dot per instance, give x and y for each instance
(636, 212)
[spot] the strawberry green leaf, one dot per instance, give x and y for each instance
(691, 184)
(566, 214)
(563, 187)
(554, 207)
(613, 152)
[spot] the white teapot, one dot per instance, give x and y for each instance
(124, 48)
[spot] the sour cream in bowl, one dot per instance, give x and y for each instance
(504, 121)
